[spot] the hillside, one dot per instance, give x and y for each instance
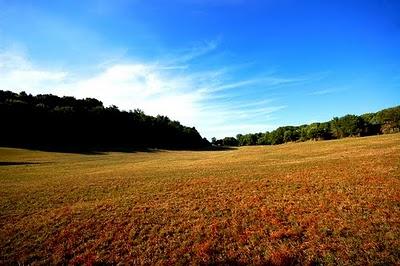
(329, 202)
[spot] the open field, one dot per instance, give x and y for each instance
(330, 202)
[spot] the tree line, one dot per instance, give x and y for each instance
(50, 122)
(382, 122)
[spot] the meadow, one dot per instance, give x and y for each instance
(326, 202)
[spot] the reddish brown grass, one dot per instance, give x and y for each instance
(331, 202)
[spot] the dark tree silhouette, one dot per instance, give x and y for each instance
(65, 123)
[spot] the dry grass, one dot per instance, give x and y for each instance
(332, 202)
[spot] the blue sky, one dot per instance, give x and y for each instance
(223, 66)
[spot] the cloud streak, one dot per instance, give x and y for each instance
(169, 88)
(325, 91)
(16, 72)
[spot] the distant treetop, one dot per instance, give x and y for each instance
(382, 122)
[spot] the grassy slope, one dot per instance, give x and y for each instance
(332, 202)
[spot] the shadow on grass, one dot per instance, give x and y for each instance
(104, 151)
(16, 163)
(214, 148)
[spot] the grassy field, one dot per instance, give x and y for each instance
(328, 202)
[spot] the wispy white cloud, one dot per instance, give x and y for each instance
(17, 72)
(195, 52)
(326, 91)
(170, 88)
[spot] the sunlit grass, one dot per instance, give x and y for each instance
(330, 202)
